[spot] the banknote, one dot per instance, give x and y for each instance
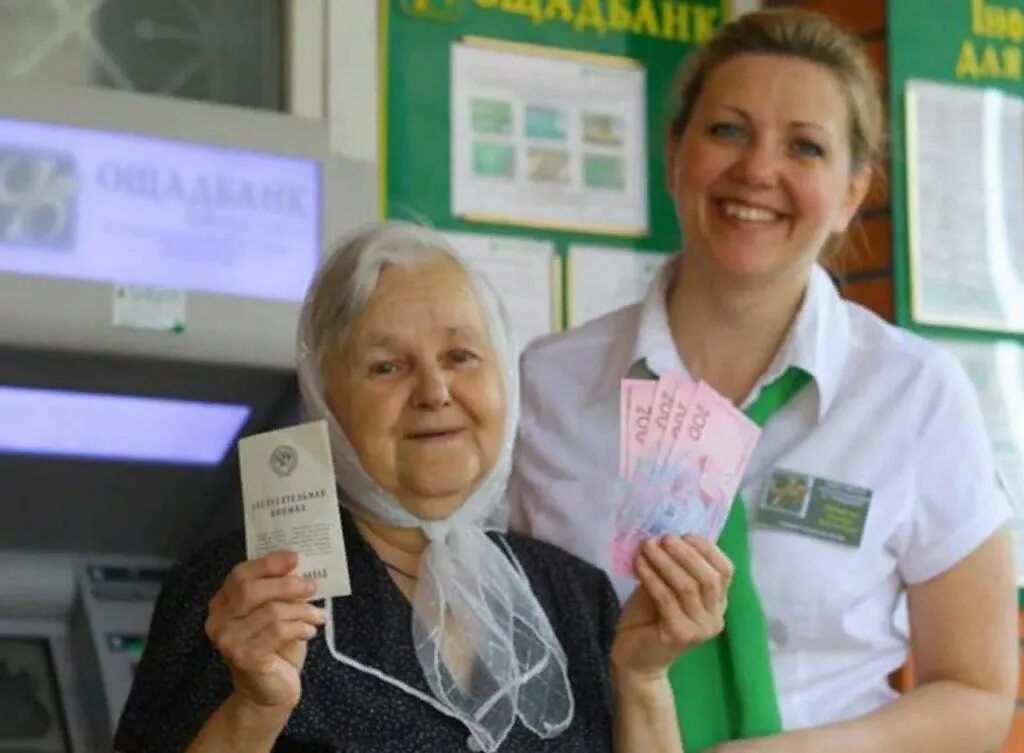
(684, 392)
(653, 410)
(658, 433)
(718, 440)
(656, 506)
(683, 450)
(636, 398)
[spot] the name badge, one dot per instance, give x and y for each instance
(815, 507)
(291, 503)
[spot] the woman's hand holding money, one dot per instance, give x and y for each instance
(679, 603)
(260, 622)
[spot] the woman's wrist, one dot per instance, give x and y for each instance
(249, 723)
(641, 686)
(241, 726)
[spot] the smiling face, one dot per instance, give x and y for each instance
(418, 387)
(762, 174)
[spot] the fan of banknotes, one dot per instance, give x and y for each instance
(683, 448)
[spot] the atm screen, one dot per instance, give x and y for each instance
(33, 716)
(137, 210)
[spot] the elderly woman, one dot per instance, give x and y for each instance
(453, 637)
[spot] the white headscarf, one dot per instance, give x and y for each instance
(520, 668)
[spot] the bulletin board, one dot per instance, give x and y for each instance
(966, 58)
(974, 44)
(417, 39)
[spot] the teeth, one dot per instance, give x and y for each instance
(748, 213)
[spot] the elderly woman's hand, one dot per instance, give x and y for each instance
(260, 621)
(679, 603)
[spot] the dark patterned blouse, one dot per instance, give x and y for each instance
(181, 679)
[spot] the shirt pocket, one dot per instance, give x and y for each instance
(819, 594)
(802, 586)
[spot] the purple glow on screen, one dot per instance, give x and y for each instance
(117, 427)
(127, 209)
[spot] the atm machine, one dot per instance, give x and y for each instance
(153, 255)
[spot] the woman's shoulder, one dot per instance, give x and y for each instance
(871, 336)
(901, 359)
(573, 355)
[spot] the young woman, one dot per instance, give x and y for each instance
(769, 156)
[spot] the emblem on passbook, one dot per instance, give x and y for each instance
(283, 460)
(38, 190)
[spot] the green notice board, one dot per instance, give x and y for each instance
(971, 43)
(974, 43)
(416, 43)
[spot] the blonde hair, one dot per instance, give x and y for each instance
(804, 35)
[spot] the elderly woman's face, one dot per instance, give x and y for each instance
(418, 388)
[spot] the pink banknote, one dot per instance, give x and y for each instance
(635, 401)
(683, 451)
(654, 412)
(718, 440)
(684, 393)
(659, 433)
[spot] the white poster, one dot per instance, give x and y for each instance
(997, 371)
(548, 138)
(524, 272)
(603, 279)
(965, 178)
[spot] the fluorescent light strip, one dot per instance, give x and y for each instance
(117, 427)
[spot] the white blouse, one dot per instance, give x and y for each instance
(886, 411)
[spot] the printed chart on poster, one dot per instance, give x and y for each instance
(602, 279)
(525, 274)
(965, 162)
(997, 371)
(551, 138)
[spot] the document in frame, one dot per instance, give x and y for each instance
(965, 149)
(602, 279)
(525, 272)
(546, 137)
(291, 503)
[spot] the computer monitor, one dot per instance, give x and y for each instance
(227, 208)
(127, 209)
